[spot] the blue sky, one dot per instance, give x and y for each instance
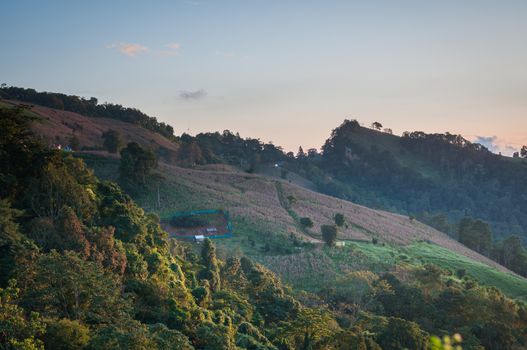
(283, 71)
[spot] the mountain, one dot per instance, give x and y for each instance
(395, 282)
(422, 174)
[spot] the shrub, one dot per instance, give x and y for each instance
(339, 219)
(187, 221)
(329, 234)
(306, 222)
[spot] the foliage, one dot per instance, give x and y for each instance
(87, 107)
(339, 219)
(211, 271)
(87, 293)
(419, 172)
(112, 140)
(187, 221)
(306, 222)
(136, 164)
(66, 334)
(17, 329)
(329, 234)
(402, 334)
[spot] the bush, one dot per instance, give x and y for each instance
(306, 222)
(339, 219)
(329, 234)
(187, 221)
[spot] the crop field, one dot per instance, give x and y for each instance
(268, 231)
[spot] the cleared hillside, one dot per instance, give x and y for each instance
(265, 209)
(58, 126)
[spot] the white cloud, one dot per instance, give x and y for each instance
(129, 49)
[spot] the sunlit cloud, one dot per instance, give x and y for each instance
(496, 145)
(188, 95)
(129, 49)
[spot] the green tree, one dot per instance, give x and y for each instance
(211, 336)
(136, 164)
(20, 152)
(17, 329)
(112, 140)
(126, 335)
(211, 272)
(306, 222)
(402, 334)
(65, 334)
(66, 286)
(15, 250)
(339, 219)
(475, 234)
(307, 328)
(62, 182)
(329, 234)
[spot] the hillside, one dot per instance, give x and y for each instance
(394, 283)
(59, 126)
(422, 175)
(258, 203)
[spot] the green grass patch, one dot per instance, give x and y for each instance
(512, 285)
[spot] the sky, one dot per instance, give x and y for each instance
(283, 71)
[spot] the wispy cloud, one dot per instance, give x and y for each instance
(172, 49)
(496, 145)
(128, 49)
(188, 95)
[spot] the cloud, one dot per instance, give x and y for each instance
(129, 49)
(173, 49)
(496, 145)
(188, 95)
(173, 46)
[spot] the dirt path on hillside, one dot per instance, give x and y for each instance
(284, 203)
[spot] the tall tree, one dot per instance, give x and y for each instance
(136, 163)
(339, 219)
(329, 234)
(211, 272)
(112, 140)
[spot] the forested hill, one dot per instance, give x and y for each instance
(422, 174)
(82, 266)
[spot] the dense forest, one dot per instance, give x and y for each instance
(83, 267)
(435, 173)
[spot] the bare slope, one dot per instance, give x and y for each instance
(255, 198)
(57, 126)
